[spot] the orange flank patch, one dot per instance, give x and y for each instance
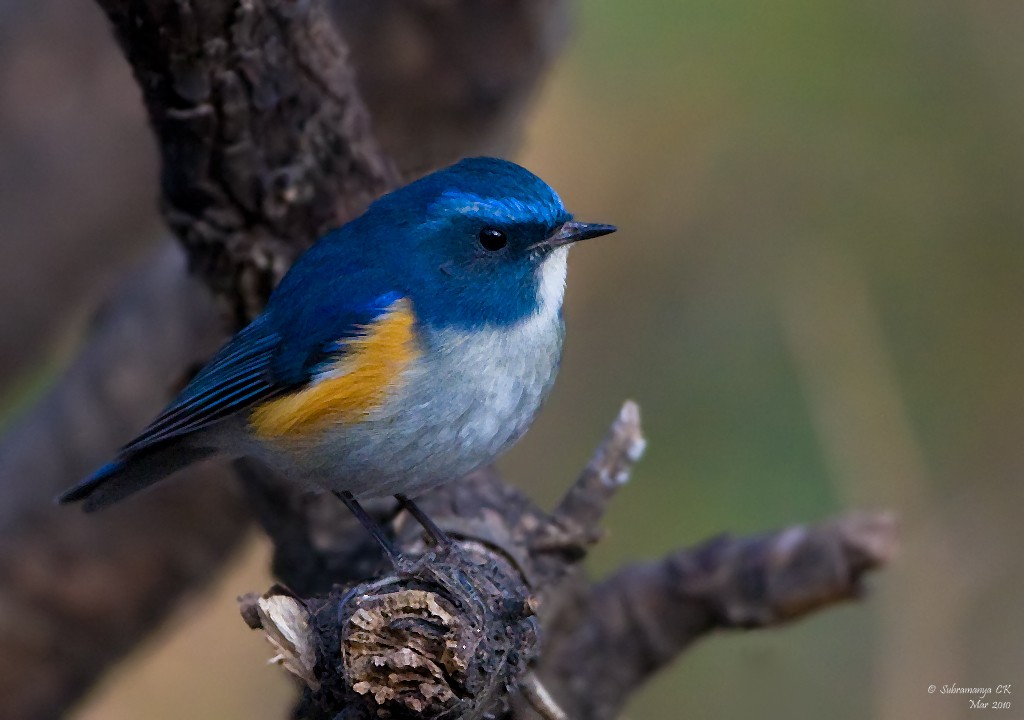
(370, 366)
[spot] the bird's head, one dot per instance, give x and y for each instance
(483, 242)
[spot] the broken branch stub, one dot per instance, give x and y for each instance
(445, 638)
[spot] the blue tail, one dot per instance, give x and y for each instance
(132, 472)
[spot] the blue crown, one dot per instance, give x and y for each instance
(493, 188)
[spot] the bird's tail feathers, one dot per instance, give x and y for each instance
(132, 472)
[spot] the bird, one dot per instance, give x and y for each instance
(405, 349)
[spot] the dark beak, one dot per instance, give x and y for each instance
(573, 231)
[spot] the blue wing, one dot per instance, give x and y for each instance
(326, 299)
(331, 293)
(238, 376)
(273, 355)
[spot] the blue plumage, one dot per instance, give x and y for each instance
(239, 375)
(474, 256)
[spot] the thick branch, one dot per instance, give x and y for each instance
(452, 635)
(265, 142)
(644, 616)
(160, 325)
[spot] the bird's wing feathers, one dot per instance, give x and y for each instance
(266, 360)
(353, 377)
(238, 376)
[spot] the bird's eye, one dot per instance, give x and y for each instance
(492, 239)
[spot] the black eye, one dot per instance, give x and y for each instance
(492, 239)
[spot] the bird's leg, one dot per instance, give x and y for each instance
(439, 536)
(370, 524)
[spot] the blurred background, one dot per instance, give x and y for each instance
(816, 296)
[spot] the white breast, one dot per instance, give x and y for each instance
(470, 398)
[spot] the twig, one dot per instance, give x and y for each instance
(573, 526)
(540, 699)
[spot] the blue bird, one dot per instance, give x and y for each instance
(403, 350)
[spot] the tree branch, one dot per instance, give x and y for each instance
(222, 150)
(264, 139)
(642, 617)
(458, 632)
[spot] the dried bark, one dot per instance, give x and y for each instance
(264, 140)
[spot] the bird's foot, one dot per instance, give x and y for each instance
(439, 536)
(373, 527)
(401, 563)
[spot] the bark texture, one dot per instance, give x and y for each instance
(264, 143)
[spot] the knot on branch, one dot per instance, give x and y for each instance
(403, 648)
(446, 637)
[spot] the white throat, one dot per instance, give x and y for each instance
(551, 289)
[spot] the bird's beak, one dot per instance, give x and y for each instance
(573, 231)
